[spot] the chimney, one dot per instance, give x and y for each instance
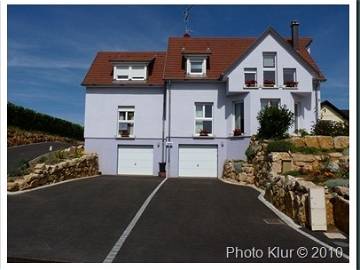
(295, 34)
(187, 35)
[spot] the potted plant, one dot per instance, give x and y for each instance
(251, 83)
(204, 132)
(291, 84)
(269, 83)
(125, 133)
(237, 132)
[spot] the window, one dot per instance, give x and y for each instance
(239, 117)
(269, 60)
(250, 77)
(196, 66)
(290, 77)
(270, 102)
(130, 72)
(269, 69)
(126, 121)
(203, 118)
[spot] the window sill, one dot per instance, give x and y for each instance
(203, 137)
(125, 138)
(238, 137)
(251, 87)
(289, 88)
(270, 87)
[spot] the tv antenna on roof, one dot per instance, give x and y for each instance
(187, 20)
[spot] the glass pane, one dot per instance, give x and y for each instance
(138, 72)
(131, 115)
(249, 77)
(131, 128)
(122, 115)
(269, 60)
(199, 111)
(274, 102)
(208, 111)
(207, 126)
(237, 115)
(198, 126)
(196, 66)
(289, 75)
(242, 117)
(269, 77)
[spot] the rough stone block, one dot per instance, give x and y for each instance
(325, 142)
(311, 141)
(341, 142)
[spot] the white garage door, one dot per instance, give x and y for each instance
(135, 160)
(198, 161)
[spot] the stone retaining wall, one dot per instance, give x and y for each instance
(242, 172)
(42, 174)
(321, 142)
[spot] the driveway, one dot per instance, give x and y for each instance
(188, 220)
(18, 154)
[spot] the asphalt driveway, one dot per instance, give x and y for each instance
(188, 220)
(17, 154)
(76, 221)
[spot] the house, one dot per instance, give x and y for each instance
(330, 112)
(194, 105)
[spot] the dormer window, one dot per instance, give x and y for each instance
(130, 72)
(196, 66)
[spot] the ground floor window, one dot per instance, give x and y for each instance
(126, 116)
(203, 118)
(270, 102)
(239, 118)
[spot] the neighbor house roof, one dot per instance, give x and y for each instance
(101, 70)
(342, 113)
(223, 53)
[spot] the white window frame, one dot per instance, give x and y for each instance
(251, 71)
(196, 58)
(125, 109)
(203, 104)
(274, 68)
(234, 114)
(130, 75)
(294, 79)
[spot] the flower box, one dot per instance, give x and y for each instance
(237, 132)
(268, 83)
(204, 132)
(291, 84)
(251, 83)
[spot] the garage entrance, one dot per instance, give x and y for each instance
(136, 160)
(198, 160)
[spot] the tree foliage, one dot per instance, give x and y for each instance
(33, 121)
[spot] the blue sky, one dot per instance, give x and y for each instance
(50, 48)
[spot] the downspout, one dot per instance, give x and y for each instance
(169, 126)
(317, 100)
(163, 127)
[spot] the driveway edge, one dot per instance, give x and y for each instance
(9, 193)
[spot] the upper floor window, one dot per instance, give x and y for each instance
(290, 77)
(126, 121)
(269, 69)
(250, 77)
(130, 72)
(203, 118)
(196, 66)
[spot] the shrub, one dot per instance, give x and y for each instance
(250, 153)
(21, 169)
(308, 150)
(303, 132)
(330, 128)
(280, 146)
(294, 173)
(274, 122)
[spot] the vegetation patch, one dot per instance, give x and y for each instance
(330, 128)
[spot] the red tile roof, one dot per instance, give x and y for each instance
(101, 70)
(223, 53)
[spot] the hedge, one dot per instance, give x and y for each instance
(33, 121)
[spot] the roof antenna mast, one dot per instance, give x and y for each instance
(187, 20)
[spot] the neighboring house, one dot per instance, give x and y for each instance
(330, 112)
(143, 108)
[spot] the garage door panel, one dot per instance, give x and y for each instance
(137, 160)
(198, 161)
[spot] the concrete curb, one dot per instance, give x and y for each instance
(287, 220)
(9, 193)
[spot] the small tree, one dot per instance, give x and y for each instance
(274, 122)
(330, 128)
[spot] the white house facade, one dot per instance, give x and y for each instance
(195, 105)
